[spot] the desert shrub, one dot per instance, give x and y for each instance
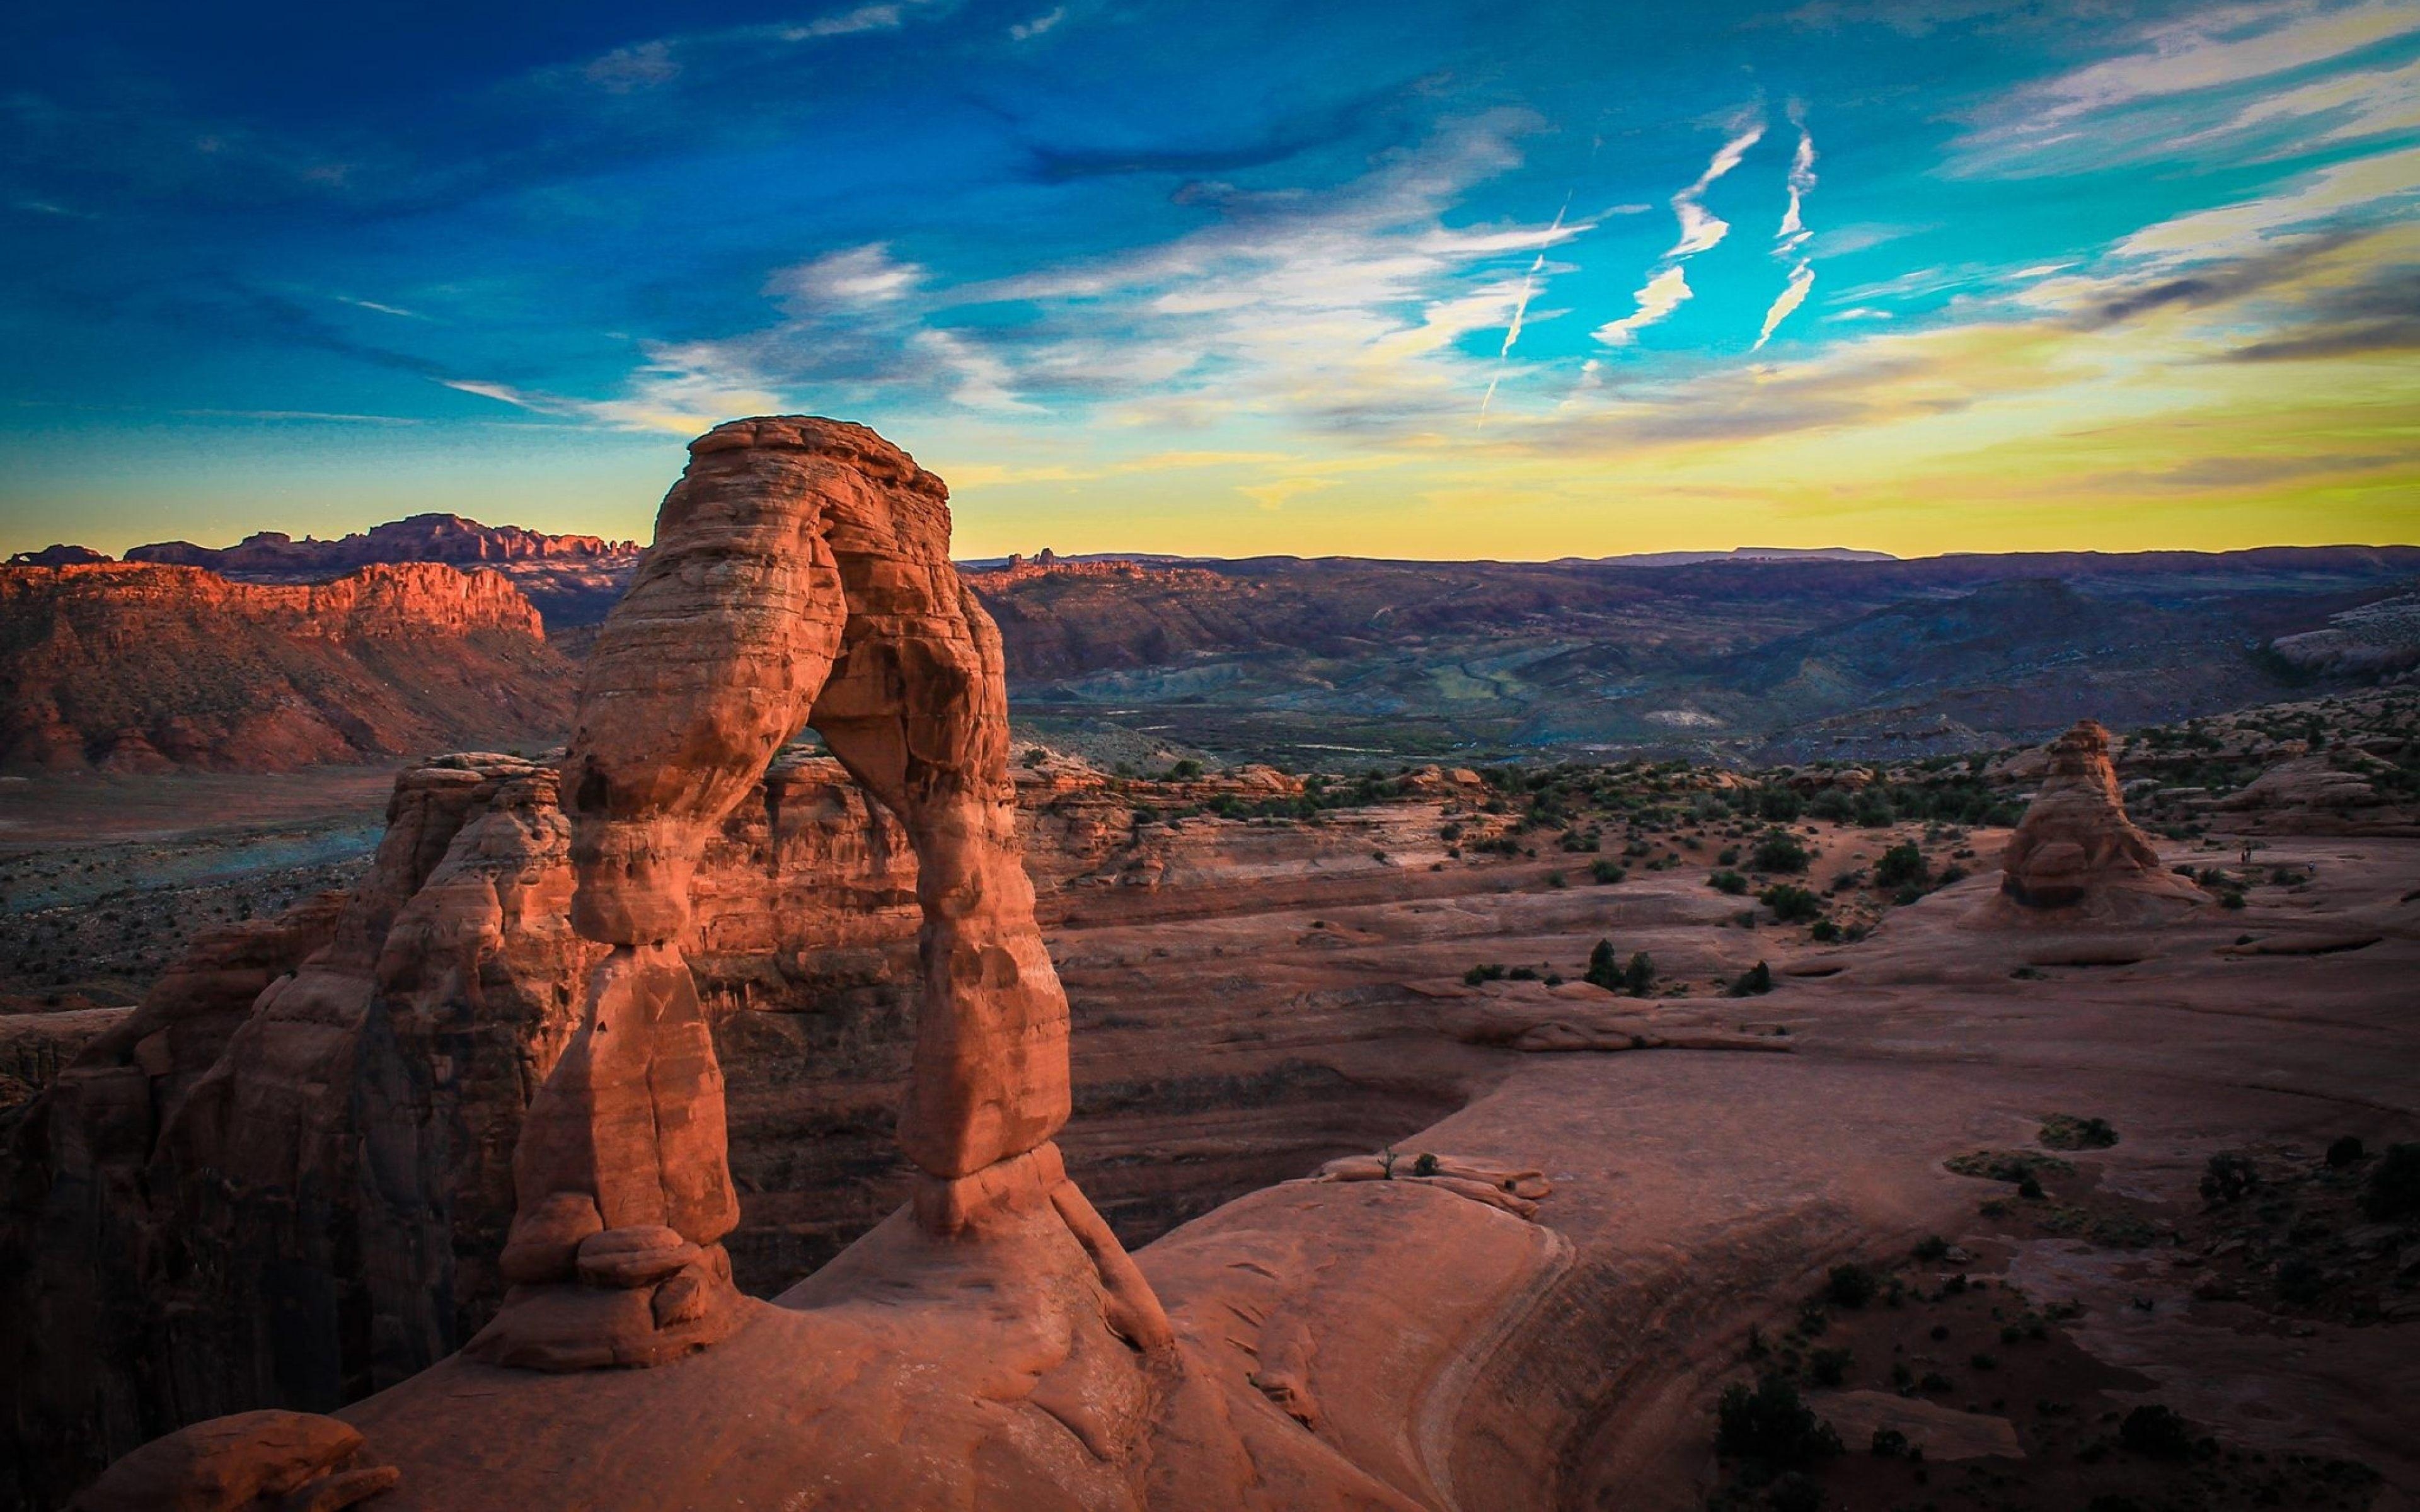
(2156, 1432)
(1555, 879)
(1779, 805)
(1425, 1166)
(1491, 972)
(1638, 975)
(1729, 882)
(1931, 1247)
(1889, 1443)
(1825, 932)
(1952, 872)
(1778, 851)
(2345, 1152)
(1772, 1425)
(1606, 872)
(2300, 1279)
(1795, 1491)
(2228, 1178)
(1754, 982)
(2065, 1131)
(1904, 865)
(1522, 974)
(1185, 769)
(1829, 1366)
(1850, 1286)
(1604, 967)
(1874, 810)
(1832, 805)
(2394, 1187)
(2010, 1165)
(1791, 904)
(1729, 857)
(1035, 756)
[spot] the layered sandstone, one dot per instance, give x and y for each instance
(140, 667)
(800, 572)
(2075, 853)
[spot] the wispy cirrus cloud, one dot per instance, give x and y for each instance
(1701, 230)
(1025, 31)
(1668, 288)
(1664, 292)
(2181, 84)
(1791, 238)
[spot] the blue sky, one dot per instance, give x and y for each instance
(1403, 279)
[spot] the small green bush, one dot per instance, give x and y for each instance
(2345, 1152)
(1754, 982)
(1778, 851)
(1603, 874)
(1795, 1491)
(2394, 1187)
(1772, 1425)
(2156, 1432)
(1491, 972)
(1791, 904)
(2228, 1176)
(1604, 967)
(1850, 1286)
(1727, 881)
(1902, 866)
(2065, 1131)
(2010, 1165)
(1638, 975)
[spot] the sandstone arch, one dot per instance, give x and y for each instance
(801, 576)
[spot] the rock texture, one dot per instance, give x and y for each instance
(800, 572)
(262, 1461)
(141, 669)
(284, 1178)
(2075, 851)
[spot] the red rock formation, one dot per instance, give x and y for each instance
(260, 1461)
(2075, 851)
(144, 668)
(800, 572)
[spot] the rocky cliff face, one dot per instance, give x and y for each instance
(573, 579)
(143, 668)
(289, 1173)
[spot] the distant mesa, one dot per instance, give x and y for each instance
(434, 537)
(60, 556)
(132, 667)
(1741, 554)
(572, 579)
